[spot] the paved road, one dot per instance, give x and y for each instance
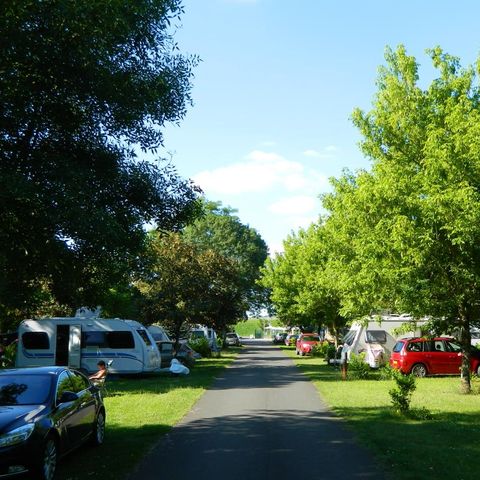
(262, 420)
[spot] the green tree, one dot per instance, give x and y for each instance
(185, 285)
(221, 230)
(408, 232)
(82, 83)
(302, 290)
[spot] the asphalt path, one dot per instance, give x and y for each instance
(261, 420)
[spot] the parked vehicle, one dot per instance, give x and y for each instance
(376, 338)
(184, 353)
(80, 342)
(437, 356)
(279, 338)
(232, 339)
(46, 413)
(204, 332)
(305, 342)
(158, 333)
(475, 336)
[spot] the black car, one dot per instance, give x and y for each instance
(45, 412)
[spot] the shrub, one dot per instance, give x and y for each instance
(386, 372)
(402, 394)
(357, 368)
(9, 355)
(324, 349)
(201, 346)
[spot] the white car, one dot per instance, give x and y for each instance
(232, 339)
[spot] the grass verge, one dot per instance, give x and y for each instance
(444, 447)
(139, 412)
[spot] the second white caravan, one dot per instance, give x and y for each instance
(376, 338)
(81, 342)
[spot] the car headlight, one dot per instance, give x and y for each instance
(18, 435)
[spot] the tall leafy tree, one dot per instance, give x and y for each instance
(83, 84)
(409, 230)
(184, 285)
(219, 229)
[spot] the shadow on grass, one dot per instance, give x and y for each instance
(445, 447)
(122, 450)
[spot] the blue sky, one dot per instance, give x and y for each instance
(276, 87)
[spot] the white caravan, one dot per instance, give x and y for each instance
(376, 338)
(158, 333)
(81, 342)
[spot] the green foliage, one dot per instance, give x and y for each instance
(219, 229)
(301, 290)
(401, 395)
(358, 369)
(9, 355)
(201, 346)
(247, 328)
(325, 350)
(386, 372)
(87, 82)
(185, 284)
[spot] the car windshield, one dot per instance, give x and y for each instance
(310, 338)
(24, 389)
(232, 335)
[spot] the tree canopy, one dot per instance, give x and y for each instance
(405, 235)
(83, 85)
(219, 229)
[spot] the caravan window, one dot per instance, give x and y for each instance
(120, 340)
(93, 339)
(144, 336)
(35, 341)
(376, 336)
(349, 337)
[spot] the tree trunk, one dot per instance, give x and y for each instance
(465, 343)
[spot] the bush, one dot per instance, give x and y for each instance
(201, 346)
(357, 368)
(386, 372)
(402, 394)
(325, 350)
(9, 354)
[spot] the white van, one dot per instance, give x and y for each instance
(200, 331)
(81, 342)
(376, 338)
(158, 333)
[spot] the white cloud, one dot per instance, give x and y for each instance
(261, 172)
(326, 152)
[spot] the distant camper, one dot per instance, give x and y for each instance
(81, 342)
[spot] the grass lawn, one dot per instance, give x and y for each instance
(445, 447)
(139, 411)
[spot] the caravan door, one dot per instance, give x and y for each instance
(74, 346)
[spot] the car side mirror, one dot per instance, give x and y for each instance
(68, 396)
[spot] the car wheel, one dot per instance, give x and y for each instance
(419, 370)
(302, 353)
(99, 430)
(47, 464)
(478, 370)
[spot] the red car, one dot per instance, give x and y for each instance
(305, 342)
(436, 356)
